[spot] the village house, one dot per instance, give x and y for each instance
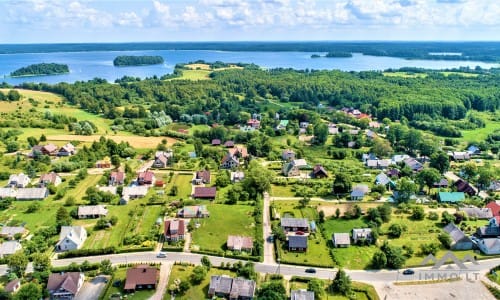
(459, 241)
(232, 289)
(8, 193)
(489, 246)
(359, 192)
(293, 167)
(297, 243)
(362, 234)
(66, 150)
(108, 189)
(92, 212)
(141, 277)
(32, 193)
(302, 295)
(216, 142)
(162, 158)
(473, 150)
(288, 155)
(319, 172)
(49, 149)
(13, 286)
(239, 243)
(237, 176)
(202, 177)
(451, 197)
(205, 193)
(478, 213)
(229, 144)
(10, 232)
(490, 230)
(294, 225)
(146, 178)
(50, 178)
(19, 180)
(304, 125)
(464, 186)
(341, 240)
(9, 247)
(443, 183)
(71, 238)
(116, 178)
(254, 123)
(229, 162)
(459, 156)
(413, 164)
(239, 152)
(333, 129)
(103, 164)
(196, 211)
(174, 230)
(133, 192)
(65, 285)
(495, 207)
(382, 179)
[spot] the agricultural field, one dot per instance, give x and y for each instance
(224, 220)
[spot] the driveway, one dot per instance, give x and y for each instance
(161, 288)
(91, 290)
(268, 245)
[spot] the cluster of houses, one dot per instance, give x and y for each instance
(292, 167)
(231, 288)
(52, 150)
(297, 231)
(19, 186)
(358, 235)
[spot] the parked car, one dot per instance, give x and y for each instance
(408, 272)
(161, 255)
(310, 270)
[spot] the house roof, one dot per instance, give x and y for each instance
(174, 224)
(216, 142)
(237, 242)
(20, 179)
(341, 238)
(220, 284)
(92, 210)
(146, 176)
(117, 176)
(239, 151)
(294, 222)
(205, 192)
(476, 212)
(237, 175)
(297, 241)
(492, 244)
(229, 157)
(73, 233)
(319, 169)
(361, 232)
(302, 295)
(67, 281)
(10, 231)
(456, 234)
(361, 187)
(108, 189)
(32, 193)
(300, 163)
(193, 210)
(242, 288)
(8, 192)
(10, 247)
(413, 164)
(229, 144)
(67, 148)
(49, 148)
(495, 207)
(357, 193)
(138, 190)
(451, 196)
(382, 179)
(204, 175)
(140, 275)
(49, 177)
(441, 183)
(9, 287)
(162, 159)
(464, 186)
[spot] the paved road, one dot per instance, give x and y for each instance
(268, 245)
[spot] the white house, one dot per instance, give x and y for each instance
(19, 180)
(71, 238)
(9, 248)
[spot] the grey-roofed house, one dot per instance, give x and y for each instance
(294, 224)
(9, 247)
(220, 286)
(32, 193)
(478, 213)
(341, 240)
(490, 230)
(71, 238)
(242, 289)
(65, 285)
(92, 211)
(413, 164)
(297, 243)
(459, 240)
(133, 192)
(359, 192)
(288, 154)
(489, 246)
(442, 183)
(383, 179)
(229, 288)
(361, 234)
(8, 193)
(302, 295)
(20, 180)
(9, 232)
(293, 167)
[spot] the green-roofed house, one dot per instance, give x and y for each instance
(282, 125)
(453, 197)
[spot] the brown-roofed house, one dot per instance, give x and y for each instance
(116, 178)
(216, 142)
(64, 285)
(49, 149)
(146, 177)
(202, 177)
(465, 187)
(319, 172)
(239, 152)
(103, 164)
(239, 243)
(161, 161)
(174, 230)
(229, 144)
(141, 277)
(50, 178)
(205, 192)
(66, 150)
(13, 286)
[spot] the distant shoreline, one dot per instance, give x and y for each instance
(35, 75)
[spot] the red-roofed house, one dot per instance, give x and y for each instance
(116, 178)
(50, 178)
(141, 277)
(205, 192)
(254, 123)
(49, 149)
(174, 230)
(64, 285)
(202, 177)
(495, 207)
(146, 177)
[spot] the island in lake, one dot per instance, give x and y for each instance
(334, 54)
(41, 69)
(129, 60)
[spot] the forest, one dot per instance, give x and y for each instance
(41, 69)
(130, 60)
(477, 51)
(436, 102)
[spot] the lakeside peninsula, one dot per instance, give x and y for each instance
(41, 69)
(144, 60)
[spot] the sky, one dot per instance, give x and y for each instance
(67, 21)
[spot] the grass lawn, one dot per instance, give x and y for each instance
(281, 191)
(224, 220)
(121, 274)
(79, 191)
(200, 291)
(361, 290)
(194, 75)
(479, 134)
(463, 74)
(404, 74)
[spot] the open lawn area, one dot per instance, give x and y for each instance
(224, 220)
(120, 275)
(479, 134)
(139, 142)
(361, 290)
(194, 75)
(199, 291)
(183, 184)
(404, 74)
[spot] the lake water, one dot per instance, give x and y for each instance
(88, 65)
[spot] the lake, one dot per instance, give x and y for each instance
(88, 65)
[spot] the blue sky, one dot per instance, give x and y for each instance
(51, 21)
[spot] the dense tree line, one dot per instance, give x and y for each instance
(41, 69)
(131, 60)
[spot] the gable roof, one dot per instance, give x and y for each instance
(382, 179)
(341, 238)
(476, 212)
(146, 176)
(32, 193)
(10, 231)
(9, 247)
(302, 295)
(495, 207)
(229, 144)
(237, 242)
(10, 287)
(464, 186)
(451, 197)
(140, 275)
(117, 176)
(242, 288)
(49, 177)
(361, 232)
(49, 148)
(204, 192)
(174, 225)
(216, 142)
(297, 241)
(66, 281)
(456, 234)
(204, 175)
(92, 210)
(299, 163)
(74, 233)
(220, 284)
(8, 192)
(318, 169)
(294, 222)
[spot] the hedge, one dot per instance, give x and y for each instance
(252, 258)
(87, 252)
(76, 267)
(128, 250)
